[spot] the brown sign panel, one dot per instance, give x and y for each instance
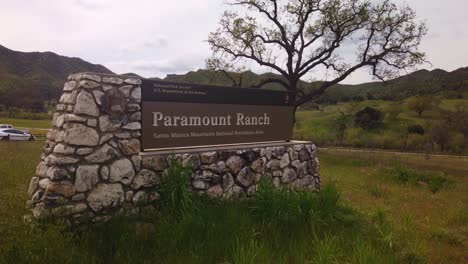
(175, 125)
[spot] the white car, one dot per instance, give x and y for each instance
(15, 134)
(6, 126)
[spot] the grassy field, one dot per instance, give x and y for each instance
(317, 126)
(373, 209)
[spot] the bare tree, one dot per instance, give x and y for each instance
(294, 37)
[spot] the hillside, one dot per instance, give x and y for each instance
(29, 78)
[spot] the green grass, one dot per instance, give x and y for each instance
(26, 123)
(362, 215)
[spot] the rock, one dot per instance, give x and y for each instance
(276, 182)
(86, 177)
(41, 170)
(130, 147)
(293, 155)
(61, 107)
(132, 126)
(133, 107)
(304, 155)
(103, 154)
(133, 81)
(106, 125)
(63, 149)
(64, 188)
(234, 192)
(98, 96)
(259, 165)
(215, 191)
(278, 151)
(105, 173)
(284, 160)
(78, 197)
(302, 169)
(78, 134)
(105, 138)
(135, 116)
(33, 185)
(92, 77)
(277, 173)
(84, 151)
(126, 90)
(136, 94)
(69, 86)
(235, 163)
(157, 163)
(140, 197)
(88, 84)
(227, 181)
(199, 184)
(252, 190)
(268, 152)
(218, 167)
(68, 98)
(208, 157)
(273, 164)
(192, 160)
(289, 175)
(296, 164)
(85, 104)
(112, 80)
(136, 160)
(145, 178)
(73, 118)
(153, 197)
(105, 196)
(59, 160)
(121, 170)
(123, 135)
(128, 196)
(56, 173)
(92, 122)
(43, 183)
(246, 176)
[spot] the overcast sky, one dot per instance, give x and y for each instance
(157, 37)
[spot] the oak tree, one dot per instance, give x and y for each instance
(295, 38)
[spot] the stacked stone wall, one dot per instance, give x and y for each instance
(92, 168)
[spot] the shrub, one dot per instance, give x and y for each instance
(416, 129)
(368, 118)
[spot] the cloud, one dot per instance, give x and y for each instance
(92, 4)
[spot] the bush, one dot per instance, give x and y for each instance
(368, 118)
(416, 129)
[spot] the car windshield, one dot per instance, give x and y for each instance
(14, 131)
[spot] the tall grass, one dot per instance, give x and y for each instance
(275, 226)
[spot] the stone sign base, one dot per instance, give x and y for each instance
(92, 167)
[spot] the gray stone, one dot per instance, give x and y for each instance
(126, 90)
(85, 104)
(57, 173)
(133, 107)
(98, 96)
(293, 155)
(123, 135)
(103, 154)
(88, 84)
(277, 173)
(273, 164)
(208, 157)
(259, 165)
(107, 88)
(252, 190)
(92, 122)
(298, 147)
(153, 197)
(33, 185)
(234, 192)
(296, 164)
(84, 151)
(105, 196)
(284, 160)
(304, 155)
(302, 169)
(86, 177)
(73, 118)
(61, 107)
(106, 125)
(215, 191)
(78, 197)
(92, 77)
(289, 175)
(192, 160)
(133, 81)
(136, 94)
(199, 184)
(105, 173)
(63, 149)
(105, 138)
(235, 163)
(68, 209)
(218, 167)
(69, 86)
(113, 80)
(64, 188)
(140, 197)
(68, 98)
(59, 160)
(246, 176)
(145, 178)
(276, 182)
(130, 147)
(121, 170)
(227, 181)
(70, 108)
(136, 160)
(135, 116)
(278, 151)
(43, 183)
(128, 196)
(78, 134)
(157, 163)
(132, 126)
(41, 170)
